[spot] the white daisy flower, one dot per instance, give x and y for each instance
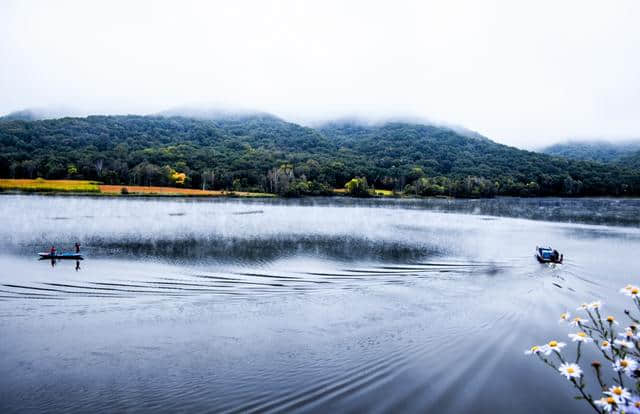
(626, 289)
(580, 337)
(620, 394)
(553, 346)
(533, 350)
(612, 320)
(570, 370)
(633, 405)
(583, 307)
(623, 344)
(608, 404)
(627, 334)
(595, 305)
(605, 345)
(564, 317)
(577, 321)
(631, 290)
(627, 365)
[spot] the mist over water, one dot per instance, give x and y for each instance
(309, 305)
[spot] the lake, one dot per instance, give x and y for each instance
(312, 305)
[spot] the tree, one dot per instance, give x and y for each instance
(208, 176)
(99, 164)
(358, 187)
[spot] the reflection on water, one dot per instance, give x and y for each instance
(54, 261)
(307, 305)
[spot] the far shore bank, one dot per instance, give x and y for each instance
(94, 188)
(9, 186)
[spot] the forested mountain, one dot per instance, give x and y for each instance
(263, 153)
(600, 151)
(631, 161)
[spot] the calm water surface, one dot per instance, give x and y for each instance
(308, 306)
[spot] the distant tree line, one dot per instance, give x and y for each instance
(266, 154)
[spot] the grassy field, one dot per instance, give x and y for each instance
(143, 190)
(383, 193)
(42, 185)
(79, 186)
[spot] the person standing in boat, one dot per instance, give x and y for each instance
(52, 251)
(77, 247)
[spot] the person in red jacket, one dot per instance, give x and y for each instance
(53, 251)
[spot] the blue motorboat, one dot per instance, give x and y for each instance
(61, 255)
(548, 255)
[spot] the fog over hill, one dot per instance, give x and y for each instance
(35, 114)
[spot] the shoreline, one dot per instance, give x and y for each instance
(135, 194)
(97, 189)
(249, 195)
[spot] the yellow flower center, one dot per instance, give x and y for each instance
(624, 363)
(611, 400)
(617, 390)
(553, 344)
(637, 404)
(605, 343)
(582, 334)
(570, 370)
(535, 348)
(635, 290)
(610, 318)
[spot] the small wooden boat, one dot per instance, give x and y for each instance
(61, 255)
(548, 255)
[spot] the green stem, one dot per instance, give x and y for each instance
(578, 353)
(585, 396)
(626, 312)
(603, 386)
(600, 320)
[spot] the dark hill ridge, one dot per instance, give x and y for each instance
(264, 153)
(600, 151)
(443, 152)
(631, 161)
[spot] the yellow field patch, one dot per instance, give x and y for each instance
(153, 190)
(384, 193)
(43, 185)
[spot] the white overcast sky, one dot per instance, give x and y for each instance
(524, 73)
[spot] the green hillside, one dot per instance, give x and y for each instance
(600, 151)
(263, 153)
